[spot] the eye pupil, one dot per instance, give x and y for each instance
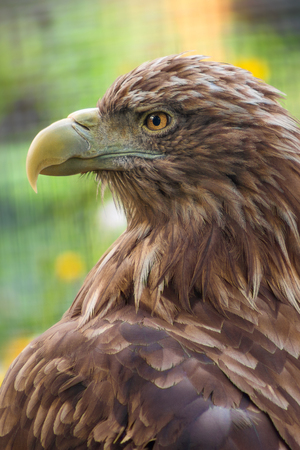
(156, 121)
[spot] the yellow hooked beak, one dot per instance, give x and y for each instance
(83, 143)
(57, 149)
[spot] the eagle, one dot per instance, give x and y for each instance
(186, 334)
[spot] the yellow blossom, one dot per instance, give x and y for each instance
(258, 67)
(69, 266)
(12, 350)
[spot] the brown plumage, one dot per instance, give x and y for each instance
(185, 335)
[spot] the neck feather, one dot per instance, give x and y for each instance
(170, 268)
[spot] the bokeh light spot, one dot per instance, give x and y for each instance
(69, 266)
(258, 67)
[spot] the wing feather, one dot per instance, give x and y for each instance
(139, 383)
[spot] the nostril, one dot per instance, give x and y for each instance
(87, 118)
(82, 125)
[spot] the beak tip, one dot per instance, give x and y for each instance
(32, 169)
(33, 184)
(31, 176)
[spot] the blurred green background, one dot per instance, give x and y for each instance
(60, 56)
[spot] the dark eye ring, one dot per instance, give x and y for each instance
(157, 121)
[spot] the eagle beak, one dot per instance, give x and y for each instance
(66, 147)
(81, 143)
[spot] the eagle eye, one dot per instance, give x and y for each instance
(157, 121)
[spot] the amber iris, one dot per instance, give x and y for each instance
(157, 121)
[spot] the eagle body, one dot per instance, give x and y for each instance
(185, 335)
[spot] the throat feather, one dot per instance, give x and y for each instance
(168, 269)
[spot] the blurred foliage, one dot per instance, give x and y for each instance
(282, 15)
(268, 31)
(60, 56)
(56, 51)
(56, 57)
(39, 235)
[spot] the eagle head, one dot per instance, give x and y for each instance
(205, 162)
